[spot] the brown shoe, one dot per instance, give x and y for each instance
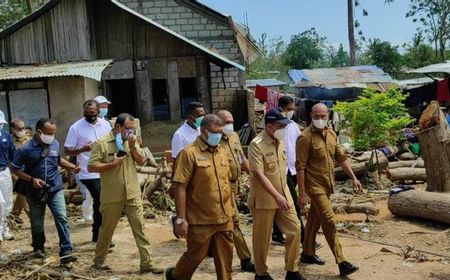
(152, 269)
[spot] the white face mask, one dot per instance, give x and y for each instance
(228, 129)
(20, 134)
(320, 124)
(47, 139)
(289, 114)
(280, 133)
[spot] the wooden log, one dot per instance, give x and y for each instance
(435, 147)
(359, 168)
(366, 208)
(406, 163)
(421, 204)
(146, 169)
(73, 197)
(406, 173)
(142, 178)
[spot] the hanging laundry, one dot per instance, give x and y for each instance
(272, 99)
(442, 91)
(261, 93)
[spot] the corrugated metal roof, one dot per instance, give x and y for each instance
(181, 37)
(265, 83)
(415, 83)
(433, 68)
(89, 69)
(342, 77)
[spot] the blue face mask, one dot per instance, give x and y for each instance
(119, 142)
(214, 139)
(198, 121)
(103, 112)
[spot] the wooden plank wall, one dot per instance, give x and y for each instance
(60, 35)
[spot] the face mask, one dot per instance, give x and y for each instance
(289, 115)
(214, 139)
(320, 124)
(90, 119)
(20, 134)
(103, 112)
(280, 133)
(47, 139)
(119, 142)
(198, 121)
(228, 129)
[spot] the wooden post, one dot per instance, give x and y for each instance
(174, 90)
(203, 83)
(435, 146)
(144, 100)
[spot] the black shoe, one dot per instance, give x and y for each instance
(39, 254)
(168, 274)
(346, 268)
(311, 259)
(263, 277)
(247, 265)
(66, 257)
(318, 245)
(278, 240)
(294, 275)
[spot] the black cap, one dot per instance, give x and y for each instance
(274, 115)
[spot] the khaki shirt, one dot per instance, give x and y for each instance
(316, 154)
(267, 155)
(232, 145)
(18, 142)
(120, 183)
(208, 192)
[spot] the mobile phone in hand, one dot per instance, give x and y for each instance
(121, 153)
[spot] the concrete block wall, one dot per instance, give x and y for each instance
(199, 27)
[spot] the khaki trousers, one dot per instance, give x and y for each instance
(288, 223)
(199, 240)
(20, 204)
(321, 214)
(111, 213)
(238, 237)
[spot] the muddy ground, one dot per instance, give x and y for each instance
(383, 258)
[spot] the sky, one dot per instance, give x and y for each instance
(288, 17)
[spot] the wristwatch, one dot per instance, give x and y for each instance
(179, 221)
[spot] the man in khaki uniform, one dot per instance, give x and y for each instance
(269, 199)
(238, 163)
(114, 157)
(20, 136)
(203, 201)
(317, 150)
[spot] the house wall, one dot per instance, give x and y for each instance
(210, 31)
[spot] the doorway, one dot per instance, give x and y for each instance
(122, 94)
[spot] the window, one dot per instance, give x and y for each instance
(188, 94)
(160, 100)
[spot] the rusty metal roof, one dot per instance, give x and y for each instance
(341, 77)
(88, 69)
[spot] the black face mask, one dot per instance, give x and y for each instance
(90, 119)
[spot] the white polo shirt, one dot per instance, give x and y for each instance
(292, 133)
(81, 133)
(184, 136)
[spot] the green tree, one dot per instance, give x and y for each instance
(383, 54)
(434, 15)
(305, 50)
(14, 10)
(418, 54)
(336, 58)
(376, 119)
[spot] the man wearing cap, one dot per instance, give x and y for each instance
(20, 135)
(7, 150)
(317, 150)
(81, 137)
(238, 163)
(269, 199)
(203, 202)
(103, 105)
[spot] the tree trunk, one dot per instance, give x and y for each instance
(359, 168)
(351, 32)
(435, 148)
(366, 208)
(29, 6)
(406, 163)
(421, 204)
(406, 173)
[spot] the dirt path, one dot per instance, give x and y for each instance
(374, 263)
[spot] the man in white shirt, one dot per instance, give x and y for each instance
(189, 131)
(103, 104)
(80, 139)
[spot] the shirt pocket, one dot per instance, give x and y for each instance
(271, 165)
(318, 151)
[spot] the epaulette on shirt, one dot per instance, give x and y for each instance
(258, 139)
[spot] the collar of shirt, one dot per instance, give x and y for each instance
(267, 138)
(203, 146)
(111, 137)
(188, 126)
